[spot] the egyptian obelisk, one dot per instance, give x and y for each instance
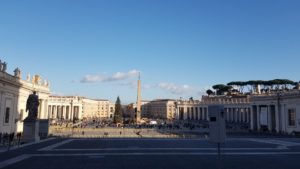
(138, 102)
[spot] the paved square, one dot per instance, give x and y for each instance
(155, 153)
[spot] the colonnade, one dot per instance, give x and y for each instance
(63, 112)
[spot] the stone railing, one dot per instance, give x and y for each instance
(36, 87)
(276, 95)
(7, 77)
(226, 101)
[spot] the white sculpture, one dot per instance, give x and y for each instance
(28, 77)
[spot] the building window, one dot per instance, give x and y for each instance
(292, 117)
(6, 120)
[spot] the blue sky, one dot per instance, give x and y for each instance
(95, 48)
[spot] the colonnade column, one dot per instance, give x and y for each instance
(49, 111)
(269, 109)
(258, 117)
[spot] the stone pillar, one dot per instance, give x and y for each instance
(71, 112)
(233, 115)
(244, 115)
(40, 109)
(277, 119)
(76, 112)
(79, 112)
(283, 118)
(201, 113)
(206, 114)
(192, 113)
(183, 113)
(45, 110)
(53, 112)
(58, 112)
(42, 112)
(46, 115)
(228, 115)
(196, 111)
(49, 112)
(143, 112)
(241, 115)
(269, 118)
(63, 112)
(67, 113)
(258, 117)
(251, 118)
(239, 112)
(249, 115)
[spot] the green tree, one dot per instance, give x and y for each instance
(118, 118)
(209, 92)
(287, 84)
(238, 84)
(281, 83)
(252, 84)
(221, 88)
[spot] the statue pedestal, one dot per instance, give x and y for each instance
(31, 131)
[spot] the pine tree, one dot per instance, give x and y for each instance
(118, 118)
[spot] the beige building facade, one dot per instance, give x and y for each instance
(65, 108)
(14, 92)
(98, 109)
(275, 112)
(278, 112)
(191, 110)
(76, 108)
(237, 109)
(160, 109)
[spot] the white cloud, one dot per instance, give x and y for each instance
(133, 85)
(147, 86)
(175, 89)
(115, 77)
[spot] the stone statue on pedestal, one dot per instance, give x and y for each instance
(32, 107)
(4, 67)
(17, 72)
(31, 125)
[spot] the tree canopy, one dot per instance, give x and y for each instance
(221, 88)
(252, 85)
(209, 92)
